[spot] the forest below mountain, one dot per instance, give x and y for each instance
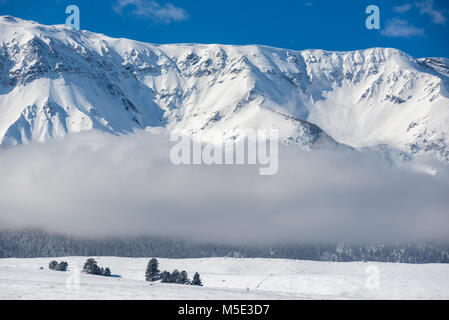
(32, 243)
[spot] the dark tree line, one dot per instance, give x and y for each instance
(35, 243)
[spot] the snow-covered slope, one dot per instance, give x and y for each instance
(226, 278)
(55, 81)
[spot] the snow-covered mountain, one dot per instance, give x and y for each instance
(55, 81)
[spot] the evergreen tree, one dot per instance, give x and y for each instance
(165, 276)
(52, 265)
(152, 273)
(62, 266)
(183, 277)
(107, 272)
(196, 280)
(91, 267)
(174, 276)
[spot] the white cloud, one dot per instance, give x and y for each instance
(404, 8)
(100, 185)
(164, 13)
(427, 7)
(401, 28)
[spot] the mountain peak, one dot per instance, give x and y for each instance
(362, 98)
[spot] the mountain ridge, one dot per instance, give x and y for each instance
(56, 81)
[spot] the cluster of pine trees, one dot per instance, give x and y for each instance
(91, 267)
(61, 266)
(154, 274)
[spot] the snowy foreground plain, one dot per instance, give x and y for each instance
(226, 278)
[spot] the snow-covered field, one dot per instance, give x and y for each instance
(226, 278)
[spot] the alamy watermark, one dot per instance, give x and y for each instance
(73, 280)
(372, 282)
(254, 147)
(73, 20)
(373, 20)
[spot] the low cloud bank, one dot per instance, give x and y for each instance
(98, 185)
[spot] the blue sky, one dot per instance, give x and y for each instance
(420, 27)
